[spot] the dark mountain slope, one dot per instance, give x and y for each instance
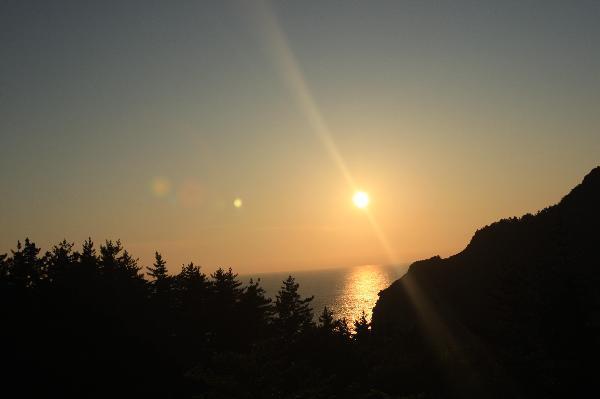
(516, 312)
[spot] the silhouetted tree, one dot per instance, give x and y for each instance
(256, 310)
(226, 286)
(162, 282)
(88, 258)
(224, 308)
(192, 283)
(332, 326)
(129, 268)
(362, 328)
(326, 320)
(158, 270)
(294, 314)
(162, 300)
(86, 277)
(194, 319)
(25, 268)
(342, 329)
(192, 295)
(60, 261)
(3, 267)
(109, 253)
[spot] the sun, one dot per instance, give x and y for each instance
(360, 199)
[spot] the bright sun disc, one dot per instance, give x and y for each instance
(360, 199)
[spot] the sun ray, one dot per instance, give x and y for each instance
(293, 77)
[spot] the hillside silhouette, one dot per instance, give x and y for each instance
(517, 312)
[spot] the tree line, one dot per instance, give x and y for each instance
(92, 321)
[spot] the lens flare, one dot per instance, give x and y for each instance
(237, 203)
(161, 186)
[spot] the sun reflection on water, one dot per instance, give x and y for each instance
(346, 291)
(360, 289)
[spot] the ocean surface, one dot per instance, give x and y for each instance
(346, 291)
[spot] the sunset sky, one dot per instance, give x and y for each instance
(145, 121)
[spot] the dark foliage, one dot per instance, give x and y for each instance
(87, 323)
(294, 314)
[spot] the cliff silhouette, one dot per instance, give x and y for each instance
(517, 312)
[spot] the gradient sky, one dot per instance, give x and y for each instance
(145, 120)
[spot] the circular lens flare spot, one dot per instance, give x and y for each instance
(360, 199)
(161, 186)
(237, 203)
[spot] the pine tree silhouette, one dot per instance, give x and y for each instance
(3, 267)
(294, 314)
(26, 269)
(224, 309)
(256, 310)
(326, 321)
(162, 281)
(362, 328)
(193, 291)
(60, 261)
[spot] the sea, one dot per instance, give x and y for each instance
(347, 291)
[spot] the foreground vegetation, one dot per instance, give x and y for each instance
(89, 323)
